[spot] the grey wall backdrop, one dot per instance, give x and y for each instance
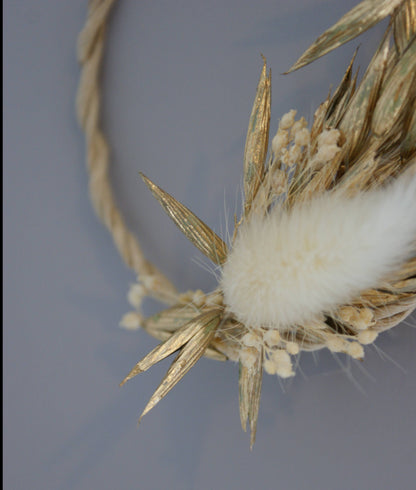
(178, 84)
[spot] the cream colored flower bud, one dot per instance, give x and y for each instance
(288, 120)
(135, 295)
(367, 337)
(131, 320)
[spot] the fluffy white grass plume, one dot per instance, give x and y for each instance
(293, 265)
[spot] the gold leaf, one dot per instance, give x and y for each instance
(365, 15)
(359, 174)
(392, 321)
(187, 357)
(407, 270)
(172, 344)
(341, 97)
(403, 305)
(409, 142)
(210, 353)
(215, 355)
(357, 118)
(208, 242)
(257, 138)
(374, 298)
(172, 318)
(250, 380)
(404, 25)
(406, 286)
(397, 91)
(243, 391)
(163, 324)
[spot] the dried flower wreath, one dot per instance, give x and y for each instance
(324, 254)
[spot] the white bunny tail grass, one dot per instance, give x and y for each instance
(294, 265)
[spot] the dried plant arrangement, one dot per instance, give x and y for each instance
(324, 253)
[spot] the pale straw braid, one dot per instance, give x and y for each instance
(90, 54)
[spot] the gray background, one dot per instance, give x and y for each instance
(179, 81)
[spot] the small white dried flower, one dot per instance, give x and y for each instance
(198, 298)
(280, 356)
(294, 154)
(250, 339)
(136, 294)
(367, 337)
(355, 350)
(285, 370)
(270, 366)
(292, 348)
(302, 137)
(272, 337)
(336, 344)
(297, 127)
(288, 120)
(131, 320)
(280, 141)
(248, 357)
(360, 319)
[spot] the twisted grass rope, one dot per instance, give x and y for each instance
(90, 54)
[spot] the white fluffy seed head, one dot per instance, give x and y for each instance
(291, 266)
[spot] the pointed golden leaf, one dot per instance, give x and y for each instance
(392, 321)
(404, 26)
(394, 309)
(243, 392)
(358, 175)
(257, 138)
(398, 90)
(406, 286)
(352, 24)
(215, 355)
(187, 357)
(357, 118)
(210, 353)
(255, 398)
(409, 142)
(172, 344)
(208, 242)
(250, 380)
(172, 318)
(341, 97)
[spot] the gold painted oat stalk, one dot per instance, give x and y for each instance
(361, 138)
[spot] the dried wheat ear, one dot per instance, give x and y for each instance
(324, 254)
